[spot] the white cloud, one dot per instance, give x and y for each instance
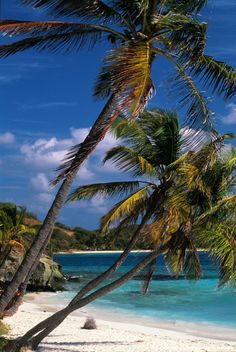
(98, 205)
(8, 79)
(7, 138)
(231, 117)
(45, 198)
(40, 182)
(49, 105)
(79, 134)
(45, 153)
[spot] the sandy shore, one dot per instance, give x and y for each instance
(110, 336)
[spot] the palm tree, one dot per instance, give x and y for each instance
(12, 230)
(178, 195)
(139, 31)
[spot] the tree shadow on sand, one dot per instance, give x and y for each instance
(52, 345)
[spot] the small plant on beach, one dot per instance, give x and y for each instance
(4, 328)
(90, 324)
(139, 32)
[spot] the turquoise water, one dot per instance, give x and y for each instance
(168, 299)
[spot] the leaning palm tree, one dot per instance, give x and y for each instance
(139, 31)
(177, 193)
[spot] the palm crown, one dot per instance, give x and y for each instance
(186, 196)
(139, 31)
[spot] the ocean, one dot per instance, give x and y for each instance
(168, 300)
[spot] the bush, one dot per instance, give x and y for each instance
(90, 324)
(4, 329)
(3, 344)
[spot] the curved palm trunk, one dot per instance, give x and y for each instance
(96, 134)
(93, 283)
(41, 330)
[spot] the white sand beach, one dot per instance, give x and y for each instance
(110, 336)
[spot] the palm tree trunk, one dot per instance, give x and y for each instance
(106, 274)
(48, 325)
(93, 283)
(96, 134)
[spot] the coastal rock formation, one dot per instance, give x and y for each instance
(47, 276)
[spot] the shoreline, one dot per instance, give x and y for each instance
(119, 336)
(108, 251)
(51, 302)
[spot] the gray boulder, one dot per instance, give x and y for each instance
(47, 276)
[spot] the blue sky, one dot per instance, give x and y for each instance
(47, 106)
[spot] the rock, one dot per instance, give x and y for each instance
(47, 276)
(74, 278)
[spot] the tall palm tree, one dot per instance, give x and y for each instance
(140, 31)
(178, 194)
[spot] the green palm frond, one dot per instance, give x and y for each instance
(175, 255)
(125, 207)
(192, 266)
(220, 241)
(108, 189)
(216, 75)
(95, 10)
(192, 98)
(134, 10)
(186, 6)
(185, 33)
(129, 160)
(155, 135)
(224, 208)
(127, 71)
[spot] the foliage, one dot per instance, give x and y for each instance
(4, 328)
(185, 195)
(12, 227)
(139, 32)
(3, 344)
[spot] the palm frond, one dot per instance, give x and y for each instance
(192, 266)
(14, 28)
(181, 33)
(127, 71)
(220, 240)
(95, 10)
(73, 38)
(133, 10)
(186, 6)
(127, 159)
(198, 112)
(104, 189)
(226, 205)
(216, 75)
(125, 207)
(175, 255)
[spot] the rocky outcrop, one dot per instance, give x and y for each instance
(47, 276)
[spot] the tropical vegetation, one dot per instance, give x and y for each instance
(13, 230)
(176, 196)
(139, 32)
